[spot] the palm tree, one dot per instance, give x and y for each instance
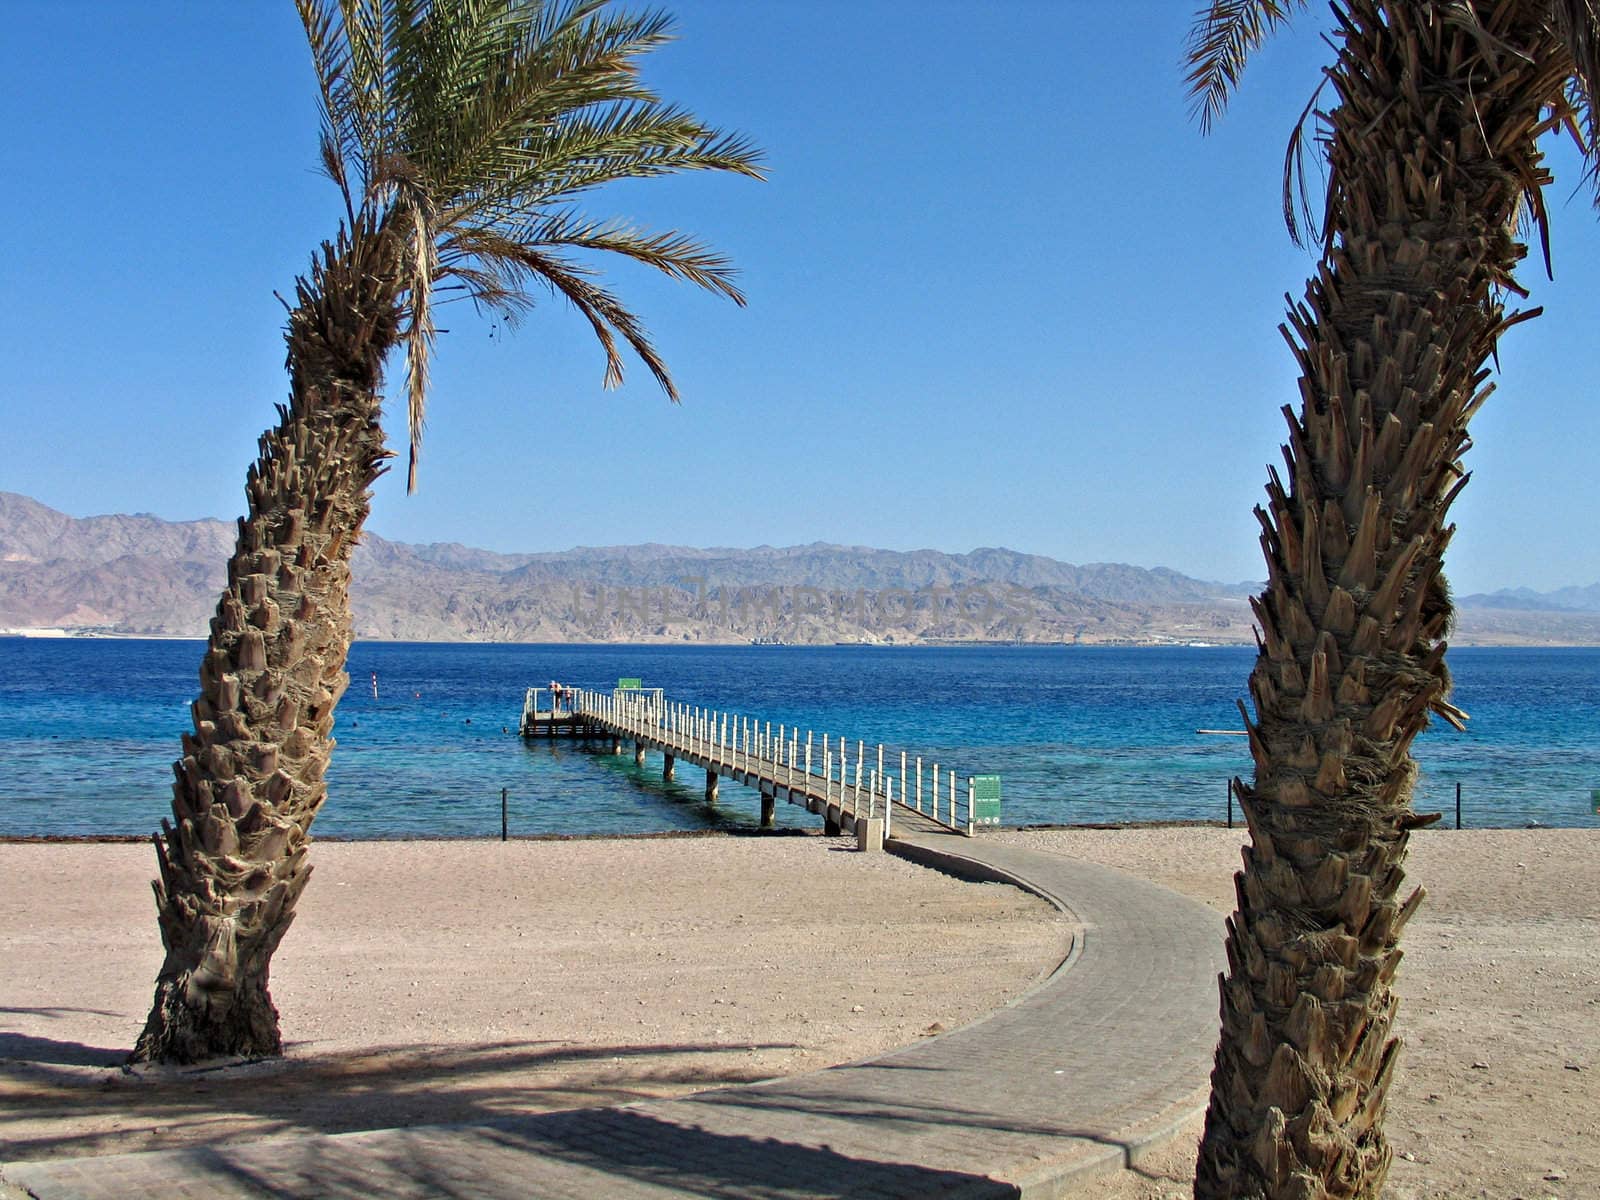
(461, 134)
(1433, 165)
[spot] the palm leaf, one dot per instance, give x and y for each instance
(464, 131)
(1578, 22)
(1223, 37)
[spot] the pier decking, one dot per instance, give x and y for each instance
(865, 792)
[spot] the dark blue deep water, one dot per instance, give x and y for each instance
(88, 730)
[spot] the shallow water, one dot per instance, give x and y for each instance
(88, 731)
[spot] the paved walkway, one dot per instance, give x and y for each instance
(1101, 1061)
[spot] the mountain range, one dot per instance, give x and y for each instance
(139, 575)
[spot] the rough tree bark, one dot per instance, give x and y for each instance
(1432, 145)
(233, 860)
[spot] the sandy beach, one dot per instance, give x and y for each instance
(1498, 1090)
(447, 981)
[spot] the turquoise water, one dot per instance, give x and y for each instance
(88, 731)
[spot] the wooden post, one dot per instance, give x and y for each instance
(769, 810)
(711, 786)
(638, 752)
(971, 792)
(952, 776)
(669, 765)
(1458, 808)
(502, 814)
(935, 791)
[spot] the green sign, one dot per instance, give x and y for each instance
(633, 684)
(986, 799)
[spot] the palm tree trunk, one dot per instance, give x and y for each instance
(1431, 147)
(233, 861)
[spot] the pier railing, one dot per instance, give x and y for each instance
(858, 779)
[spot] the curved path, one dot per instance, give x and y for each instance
(1103, 1060)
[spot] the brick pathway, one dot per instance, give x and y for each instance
(1100, 1062)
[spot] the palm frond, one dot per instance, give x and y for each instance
(419, 268)
(498, 86)
(1298, 213)
(515, 268)
(463, 131)
(1577, 22)
(675, 254)
(339, 144)
(1224, 35)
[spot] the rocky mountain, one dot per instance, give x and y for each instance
(1567, 599)
(141, 576)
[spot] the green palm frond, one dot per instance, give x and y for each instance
(504, 271)
(604, 311)
(1224, 35)
(674, 254)
(581, 151)
(466, 130)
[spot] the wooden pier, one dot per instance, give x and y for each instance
(859, 789)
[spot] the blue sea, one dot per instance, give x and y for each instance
(89, 729)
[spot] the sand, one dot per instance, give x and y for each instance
(1498, 1090)
(443, 981)
(449, 981)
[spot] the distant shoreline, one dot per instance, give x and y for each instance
(100, 635)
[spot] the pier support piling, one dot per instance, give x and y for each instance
(638, 754)
(869, 833)
(711, 787)
(769, 810)
(668, 766)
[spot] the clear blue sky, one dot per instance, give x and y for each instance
(1002, 292)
